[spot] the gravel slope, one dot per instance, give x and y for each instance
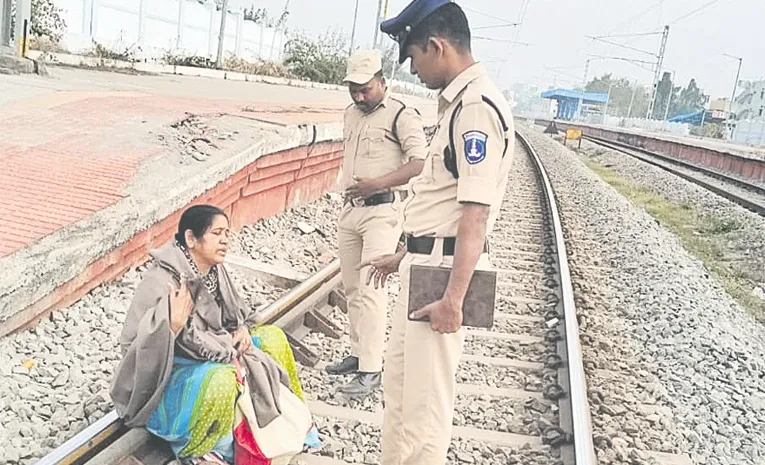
(673, 363)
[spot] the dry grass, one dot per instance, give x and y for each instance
(702, 235)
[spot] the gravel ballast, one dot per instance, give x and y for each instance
(673, 363)
(55, 377)
(738, 234)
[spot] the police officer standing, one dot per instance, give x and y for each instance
(454, 204)
(384, 148)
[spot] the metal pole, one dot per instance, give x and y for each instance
(669, 97)
(384, 15)
(657, 74)
(5, 23)
(703, 117)
(735, 85)
(608, 99)
(581, 94)
(353, 31)
(222, 35)
(23, 16)
(377, 22)
(632, 100)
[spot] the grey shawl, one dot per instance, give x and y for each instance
(148, 345)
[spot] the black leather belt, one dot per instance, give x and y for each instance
(424, 245)
(377, 199)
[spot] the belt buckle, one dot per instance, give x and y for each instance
(357, 202)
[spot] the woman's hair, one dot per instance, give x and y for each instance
(198, 219)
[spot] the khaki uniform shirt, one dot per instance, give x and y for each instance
(370, 149)
(434, 208)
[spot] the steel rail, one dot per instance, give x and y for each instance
(631, 151)
(584, 450)
(106, 430)
(620, 146)
(82, 446)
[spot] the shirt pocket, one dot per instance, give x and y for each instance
(377, 142)
(439, 173)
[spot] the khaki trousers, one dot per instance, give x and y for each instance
(419, 380)
(365, 233)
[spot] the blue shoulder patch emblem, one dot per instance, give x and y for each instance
(475, 146)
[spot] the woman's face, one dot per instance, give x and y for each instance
(211, 248)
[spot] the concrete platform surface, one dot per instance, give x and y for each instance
(77, 141)
(746, 151)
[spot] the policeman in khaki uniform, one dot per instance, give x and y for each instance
(454, 204)
(384, 148)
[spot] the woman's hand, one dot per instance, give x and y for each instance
(382, 267)
(242, 340)
(181, 305)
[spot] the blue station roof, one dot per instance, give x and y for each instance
(571, 94)
(694, 117)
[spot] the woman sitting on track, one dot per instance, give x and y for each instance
(194, 371)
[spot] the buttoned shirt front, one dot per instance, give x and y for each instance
(434, 208)
(371, 147)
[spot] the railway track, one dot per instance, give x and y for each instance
(748, 195)
(526, 371)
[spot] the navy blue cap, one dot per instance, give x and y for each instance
(400, 26)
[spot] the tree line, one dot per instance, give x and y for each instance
(632, 99)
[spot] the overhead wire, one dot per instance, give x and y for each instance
(693, 12)
(495, 26)
(617, 44)
(507, 41)
(634, 17)
(631, 60)
(637, 34)
(516, 32)
(486, 15)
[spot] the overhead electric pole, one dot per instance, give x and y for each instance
(608, 99)
(632, 100)
(657, 74)
(581, 93)
(383, 17)
(669, 97)
(222, 36)
(353, 31)
(377, 22)
(735, 83)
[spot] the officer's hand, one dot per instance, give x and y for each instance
(444, 316)
(381, 268)
(364, 188)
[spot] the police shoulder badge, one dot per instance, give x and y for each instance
(475, 146)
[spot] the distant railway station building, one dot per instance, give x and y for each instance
(568, 102)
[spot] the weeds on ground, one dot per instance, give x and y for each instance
(231, 63)
(116, 52)
(702, 235)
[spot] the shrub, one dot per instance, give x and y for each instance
(195, 61)
(261, 68)
(46, 20)
(322, 60)
(118, 52)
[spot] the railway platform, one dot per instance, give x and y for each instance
(97, 163)
(747, 163)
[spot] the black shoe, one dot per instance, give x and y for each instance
(348, 365)
(362, 385)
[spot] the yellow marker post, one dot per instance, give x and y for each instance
(573, 134)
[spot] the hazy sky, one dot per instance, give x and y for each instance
(557, 30)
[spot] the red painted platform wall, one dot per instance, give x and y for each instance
(266, 187)
(745, 168)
